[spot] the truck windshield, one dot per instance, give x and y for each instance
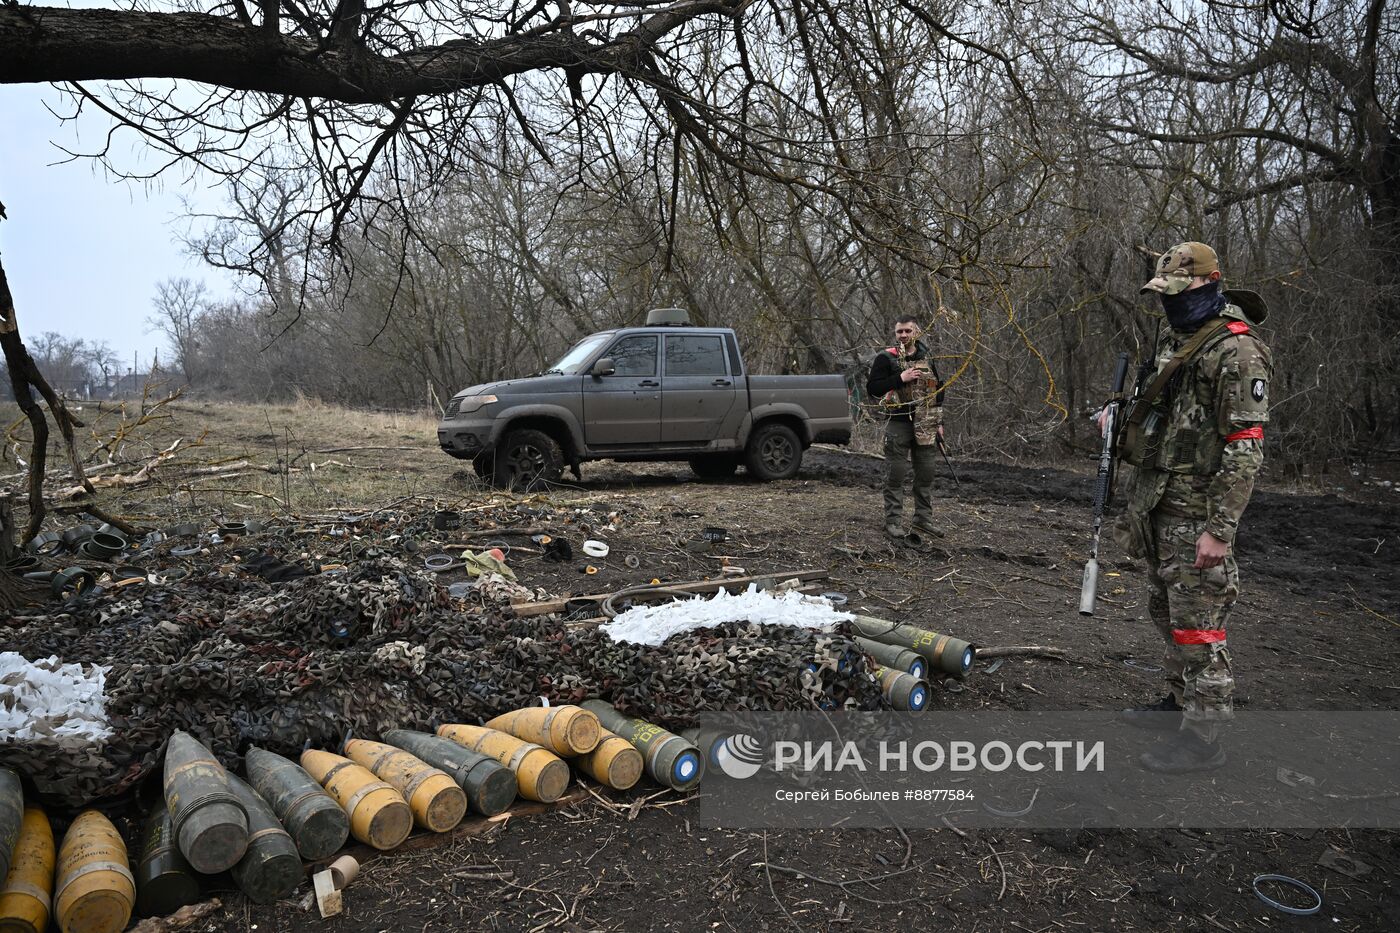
(571, 363)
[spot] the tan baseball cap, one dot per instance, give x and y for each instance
(1177, 265)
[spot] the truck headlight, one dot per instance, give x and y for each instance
(474, 402)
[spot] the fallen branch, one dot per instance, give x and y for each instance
(1024, 651)
(186, 916)
(525, 609)
(120, 524)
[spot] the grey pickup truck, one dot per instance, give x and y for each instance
(665, 391)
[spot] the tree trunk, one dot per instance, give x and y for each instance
(24, 379)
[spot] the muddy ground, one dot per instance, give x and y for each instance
(1315, 628)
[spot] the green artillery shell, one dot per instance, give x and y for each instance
(709, 741)
(944, 652)
(11, 817)
(670, 760)
(317, 824)
(211, 826)
(902, 691)
(489, 785)
(271, 868)
(165, 882)
(893, 656)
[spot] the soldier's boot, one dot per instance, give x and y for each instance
(924, 526)
(1183, 753)
(893, 528)
(1164, 714)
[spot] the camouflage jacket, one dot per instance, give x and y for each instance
(897, 397)
(1210, 441)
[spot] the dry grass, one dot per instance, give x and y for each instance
(294, 454)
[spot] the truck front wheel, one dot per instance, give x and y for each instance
(774, 452)
(527, 459)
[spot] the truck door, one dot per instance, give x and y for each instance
(699, 390)
(624, 409)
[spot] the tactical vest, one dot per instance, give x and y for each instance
(1175, 425)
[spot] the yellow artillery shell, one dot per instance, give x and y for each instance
(539, 773)
(26, 896)
(95, 889)
(564, 730)
(615, 763)
(379, 816)
(438, 804)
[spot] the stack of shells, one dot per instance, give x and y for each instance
(246, 662)
(261, 831)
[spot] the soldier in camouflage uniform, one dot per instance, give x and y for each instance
(905, 380)
(1198, 444)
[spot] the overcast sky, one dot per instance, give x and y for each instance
(83, 252)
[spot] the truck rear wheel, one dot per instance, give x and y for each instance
(714, 466)
(527, 459)
(773, 452)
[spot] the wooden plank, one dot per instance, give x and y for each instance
(525, 610)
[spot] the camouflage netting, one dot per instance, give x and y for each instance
(236, 660)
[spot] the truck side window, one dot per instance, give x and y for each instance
(634, 356)
(694, 355)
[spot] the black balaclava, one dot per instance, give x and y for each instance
(1188, 310)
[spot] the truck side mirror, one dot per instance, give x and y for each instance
(603, 367)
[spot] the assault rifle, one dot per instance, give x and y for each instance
(1103, 485)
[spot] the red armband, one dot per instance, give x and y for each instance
(1255, 433)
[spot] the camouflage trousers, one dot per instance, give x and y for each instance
(1190, 608)
(900, 450)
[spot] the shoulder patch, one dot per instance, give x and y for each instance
(1237, 327)
(892, 351)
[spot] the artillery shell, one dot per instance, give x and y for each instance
(489, 785)
(943, 652)
(539, 773)
(893, 656)
(271, 868)
(11, 816)
(564, 730)
(438, 804)
(670, 760)
(316, 822)
(165, 881)
(902, 691)
(211, 826)
(25, 897)
(379, 816)
(613, 763)
(95, 889)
